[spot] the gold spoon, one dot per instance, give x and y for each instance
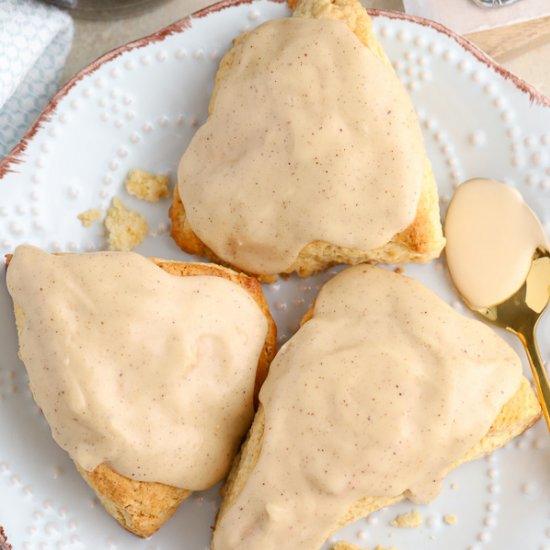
(520, 314)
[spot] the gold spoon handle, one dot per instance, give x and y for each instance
(539, 372)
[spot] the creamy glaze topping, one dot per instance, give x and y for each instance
(312, 137)
(143, 370)
(378, 394)
(491, 237)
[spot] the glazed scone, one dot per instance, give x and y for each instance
(372, 379)
(142, 507)
(420, 241)
(519, 414)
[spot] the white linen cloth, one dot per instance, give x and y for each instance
(34, 42)
(464, 16)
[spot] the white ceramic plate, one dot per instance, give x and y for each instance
(139, 107)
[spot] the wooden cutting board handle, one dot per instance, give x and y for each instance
(505, 42)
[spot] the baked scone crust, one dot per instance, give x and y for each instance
(420, 242)
(143, 507)
(516, 416)
(519, 414)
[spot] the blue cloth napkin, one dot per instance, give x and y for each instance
(35, 40)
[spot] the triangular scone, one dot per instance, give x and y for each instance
(142, 507)
(517, 414)
(420, 242)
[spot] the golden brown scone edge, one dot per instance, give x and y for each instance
(140, 507)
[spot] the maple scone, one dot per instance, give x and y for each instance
(382, 391)
(312, 154)
(146, 371)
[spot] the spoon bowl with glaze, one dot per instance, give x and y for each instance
(498, 253)
(520, 314)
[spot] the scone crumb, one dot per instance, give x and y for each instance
(410, 519)
(454, 485)
(399, 270)
(146, 186)
(341, 545)
(89, 216)
(126, 228)
(450, 519)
